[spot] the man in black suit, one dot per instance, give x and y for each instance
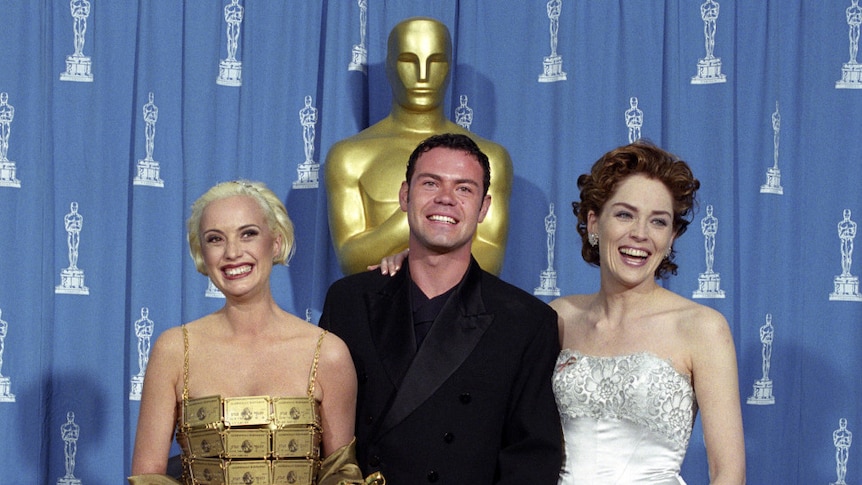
(454, 364)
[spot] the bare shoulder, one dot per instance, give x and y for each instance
(201, 329)
(571, 310)
(165, 362)
(334, 350)
(335, 365)
(170, 342)
(570, 306)
(701, 325)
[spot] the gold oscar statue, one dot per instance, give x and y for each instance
(364, 172)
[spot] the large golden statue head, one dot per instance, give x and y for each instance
(363, 172)
(417, 63)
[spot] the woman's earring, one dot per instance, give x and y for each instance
(593, 239)
(667, 253)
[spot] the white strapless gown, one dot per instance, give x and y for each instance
(626, 419)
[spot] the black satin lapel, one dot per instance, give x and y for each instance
(392, 327)
(452, 338)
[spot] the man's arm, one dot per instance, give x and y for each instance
(532, 440)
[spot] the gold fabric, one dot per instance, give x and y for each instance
(340, 468)
(152, 479)
(251, 439)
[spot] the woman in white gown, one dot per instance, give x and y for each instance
(638, 361)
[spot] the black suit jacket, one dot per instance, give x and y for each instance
(474, 405)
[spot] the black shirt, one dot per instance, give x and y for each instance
(425, 310)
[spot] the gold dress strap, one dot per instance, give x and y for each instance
(185, 363)
(312, 378)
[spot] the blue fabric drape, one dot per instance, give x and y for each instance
(69, 358)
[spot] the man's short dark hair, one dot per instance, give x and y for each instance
(452, 141)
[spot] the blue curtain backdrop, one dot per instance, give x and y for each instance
(115, 116)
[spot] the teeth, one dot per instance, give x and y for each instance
(237, 271)
(637, 253)
(448, 220)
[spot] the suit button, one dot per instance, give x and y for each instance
(363, 378)
(448, 437)
(433, 476)
(465, 398)
(374, 461)
(369, 419)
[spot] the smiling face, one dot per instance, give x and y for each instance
(237, 245)
(635, 230)
(444, 202)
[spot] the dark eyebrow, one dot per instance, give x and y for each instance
(467, 181)
(635, 209)
(439, 178)
(241, 228)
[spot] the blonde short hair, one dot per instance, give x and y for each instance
(273, 209)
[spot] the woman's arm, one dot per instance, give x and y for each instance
(390, 264)
(336, 378)
(158, 415)
(716, 385)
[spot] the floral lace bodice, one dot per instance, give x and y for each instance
(640, 388)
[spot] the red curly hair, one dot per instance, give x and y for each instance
(642, 158)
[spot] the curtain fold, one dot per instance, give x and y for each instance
(116, 116)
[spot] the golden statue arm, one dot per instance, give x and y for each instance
(356, 244)
(357, 251)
